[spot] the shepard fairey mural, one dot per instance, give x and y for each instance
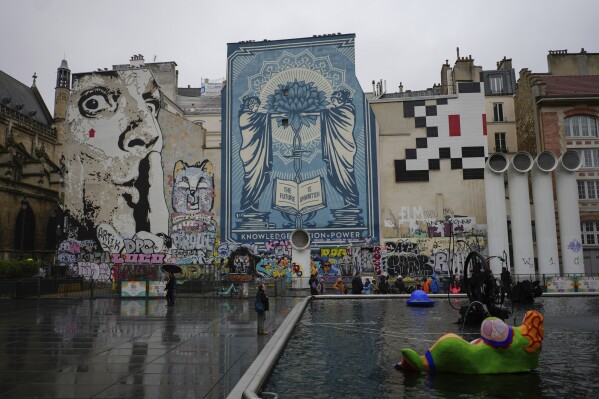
(298, 143)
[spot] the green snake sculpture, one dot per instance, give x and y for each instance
(500, 349)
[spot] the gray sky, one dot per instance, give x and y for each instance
(397, 40)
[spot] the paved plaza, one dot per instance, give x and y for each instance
(120, 348)
(200, 348)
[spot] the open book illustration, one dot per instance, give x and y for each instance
(299, 198)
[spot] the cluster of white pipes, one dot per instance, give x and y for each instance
(540, 169)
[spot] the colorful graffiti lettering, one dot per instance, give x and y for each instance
(138, 258)
(279, 248)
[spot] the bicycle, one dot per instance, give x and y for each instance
(231, 292)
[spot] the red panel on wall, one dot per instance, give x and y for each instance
(484, 124)
(454, 125)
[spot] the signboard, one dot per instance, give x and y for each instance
(588, 284)
(156, 288)
(133, 289)
(560, 284)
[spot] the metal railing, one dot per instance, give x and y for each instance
(80, 288)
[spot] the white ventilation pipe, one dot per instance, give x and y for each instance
(568, 211)
(544, 212)
(497, 237)
(300, 255)
(524, 257)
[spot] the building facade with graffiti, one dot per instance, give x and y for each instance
(299, 144)
(139, 190)
(146, 183)
(433, 147)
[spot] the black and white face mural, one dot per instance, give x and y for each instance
(112, 154)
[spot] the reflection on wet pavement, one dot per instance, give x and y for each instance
(113, 348)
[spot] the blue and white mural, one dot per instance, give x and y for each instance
(298, 143)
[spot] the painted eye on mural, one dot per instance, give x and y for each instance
(94, 101)
(183, 183)
(152, 99)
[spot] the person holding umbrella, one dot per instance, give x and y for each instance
(171, 284)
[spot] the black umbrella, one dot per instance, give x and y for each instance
(171, 268)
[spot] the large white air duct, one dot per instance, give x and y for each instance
(497, 237)
(544, 212)
(300, 255)
(568, 210)
(524, 257)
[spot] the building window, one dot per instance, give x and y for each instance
(284, 122)
(500, 144)
(581, 189)
(590, 231)
(580, 126)
(590, 157)
(496, 83)
(498, 112)
(588, 189)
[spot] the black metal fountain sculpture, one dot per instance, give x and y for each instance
(526, 291)
(485, 293)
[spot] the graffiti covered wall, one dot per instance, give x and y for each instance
(138, 192)
(298, 144)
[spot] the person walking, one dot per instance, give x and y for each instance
(261, 308)
(171, 285)
(356, 284)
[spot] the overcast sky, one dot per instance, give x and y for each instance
(396, 40)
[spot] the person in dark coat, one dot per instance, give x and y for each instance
(356, 284)
(261, 297)
(383, 285)
(171, 284)
(313, 285)
(400, 286)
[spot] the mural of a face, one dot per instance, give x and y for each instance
(114, 183)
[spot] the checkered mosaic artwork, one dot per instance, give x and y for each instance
(455, 129)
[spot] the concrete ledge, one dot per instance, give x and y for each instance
(255, 376)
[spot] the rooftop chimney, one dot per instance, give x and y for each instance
(137, 61)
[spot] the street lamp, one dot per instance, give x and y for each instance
(24, 206)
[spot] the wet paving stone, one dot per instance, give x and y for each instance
(113, 348)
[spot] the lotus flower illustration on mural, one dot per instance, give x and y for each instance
(295, 100)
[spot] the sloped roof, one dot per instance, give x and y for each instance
(571, 85)
(20, 94)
